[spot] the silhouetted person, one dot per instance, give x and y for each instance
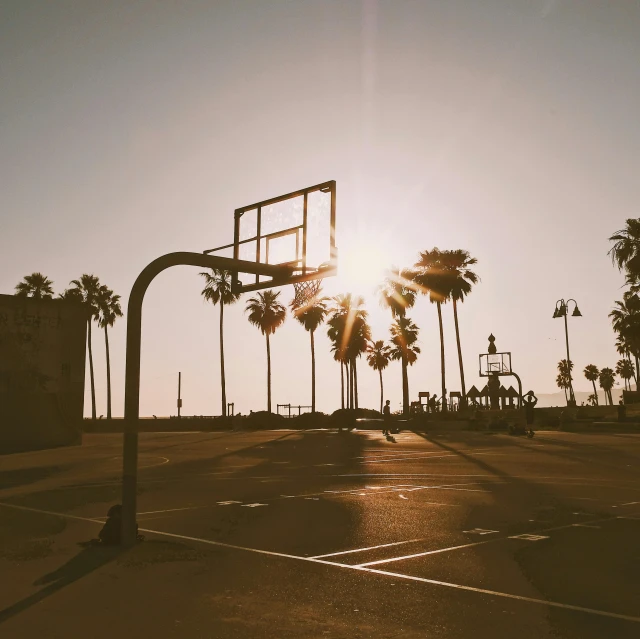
(110, 533)
(433, 403)
(529, 401)
(622, 411)
(386, 416)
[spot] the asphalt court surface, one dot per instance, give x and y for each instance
(548, 527)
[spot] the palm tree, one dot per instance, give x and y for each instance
(86, 289)
(591, 372)
(624, 368)
(625, 252)
(563, 383)
(350, 333)
(404, 335)
(109, 310)
(218, 290)
(268, 315)
(433, 279)
(311, 316)
(564, 374)
(398, 291)
(36, 285)
(607, 380)
(457, 265)
(625, 319)
(378, 356)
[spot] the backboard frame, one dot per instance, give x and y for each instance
(292, 271)
(495, 364)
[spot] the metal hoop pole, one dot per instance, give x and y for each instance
(132, 371)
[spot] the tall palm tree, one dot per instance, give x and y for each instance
(607, 380)
(398, 291)
(108, 311)
(457, 264)
(592, 373)
(625, 319)
(311, 315)
(434, 281)
(218, 290)
(404, 335)
(266, 312)
(36, 285)
(349, 332)
(564, 374)
(86, 289)
(625, 252)
(625, 370)
(378, 357)
(623, 349)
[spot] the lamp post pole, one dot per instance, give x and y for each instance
(562, 311)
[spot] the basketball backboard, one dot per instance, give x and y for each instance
(295, 231)
(495, 364)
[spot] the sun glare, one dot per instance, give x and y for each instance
(363, 268)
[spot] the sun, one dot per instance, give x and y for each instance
(363, 268)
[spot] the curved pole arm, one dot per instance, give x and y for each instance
(132, 371)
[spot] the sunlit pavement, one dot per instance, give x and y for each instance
(320, 534)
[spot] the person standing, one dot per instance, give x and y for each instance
(386, 416)
(529, 401)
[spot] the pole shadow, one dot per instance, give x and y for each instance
(90, 558)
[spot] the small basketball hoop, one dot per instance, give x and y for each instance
(305, 293)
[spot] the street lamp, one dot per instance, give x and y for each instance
(562, 310)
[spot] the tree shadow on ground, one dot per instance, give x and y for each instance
(90, 558)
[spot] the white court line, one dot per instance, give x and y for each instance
(168, 510)
(477, 543)
(493, 593)
(348, 552)
(506, 595)
(48, 512)
(382, 461)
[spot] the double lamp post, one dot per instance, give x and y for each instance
(562, 310)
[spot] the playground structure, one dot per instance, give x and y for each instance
(289, 410)
(274, 245)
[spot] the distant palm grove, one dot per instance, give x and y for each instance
(444, 276)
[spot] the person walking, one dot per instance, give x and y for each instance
(386, 416)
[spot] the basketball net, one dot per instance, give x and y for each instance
(305, 293)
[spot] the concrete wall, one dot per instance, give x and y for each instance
(42, 369)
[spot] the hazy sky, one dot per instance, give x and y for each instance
(506, 127)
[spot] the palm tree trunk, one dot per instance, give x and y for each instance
(442, 371)
(381, 390)
(405, 388)
(637, 372)
(463, 399)
(313, 374)
(268, 375)
(351, 396)
(595, 392)
(106, 342)
(93, 386)
(342, 385)
(610, 397)
(223, 381)
(355, 381)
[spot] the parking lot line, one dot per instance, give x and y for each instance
(347, 552)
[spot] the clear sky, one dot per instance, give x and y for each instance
(505, 127)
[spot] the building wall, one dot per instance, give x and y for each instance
(42, 370)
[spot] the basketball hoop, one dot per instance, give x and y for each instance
(305, 293)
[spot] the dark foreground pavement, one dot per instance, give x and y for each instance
(288, 534)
